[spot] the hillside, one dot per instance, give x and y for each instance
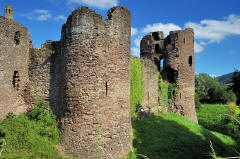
(227, 78)
(174, 136)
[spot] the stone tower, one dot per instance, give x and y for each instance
(96, 61)
(151, 55)
(14, 59)
(8, 12)
(177, 53)
(179, 68)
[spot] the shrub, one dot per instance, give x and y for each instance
(233, 111)
(197, 102)
(31, 135)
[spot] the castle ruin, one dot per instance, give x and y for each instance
(177, 53)
(85, 77)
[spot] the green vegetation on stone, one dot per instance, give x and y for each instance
(163, 91)
(34, 134)
(167, 91)
(136, 85)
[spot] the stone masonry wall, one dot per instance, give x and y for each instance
(44, 73)
(96, 60)
(14, 57)
(177, 53)
(179, 68)
(151, 54)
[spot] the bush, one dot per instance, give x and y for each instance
(197, 102)
(233, 111)
(31, 135)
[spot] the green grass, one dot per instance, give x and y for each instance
(136, 86)
(216, 118)
(30, 135)
(211, 116)
(173, 136)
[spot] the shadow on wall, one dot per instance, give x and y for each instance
(158, 138)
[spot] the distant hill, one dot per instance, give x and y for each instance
(227, 78)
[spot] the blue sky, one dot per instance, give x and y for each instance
(216, 24)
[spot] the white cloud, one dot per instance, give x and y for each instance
(135, 51)
(134, 31)
(27, 15)
(42, 15)
(60, 17)
(137, 41)
(213, 76)
(198, 47)
(232, 52)
(102, 4)
(165, 28)
(38, 14)
(216, 30)
(207, 31)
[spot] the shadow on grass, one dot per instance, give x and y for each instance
(160, 138)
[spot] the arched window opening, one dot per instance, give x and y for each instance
(16, 80)
(156, 36)
(17, 37)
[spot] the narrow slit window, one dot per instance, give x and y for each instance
(106, 85)
(190, 60)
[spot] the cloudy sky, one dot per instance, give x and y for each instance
(216, 24)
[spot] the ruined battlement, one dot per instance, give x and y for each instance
(176, 52)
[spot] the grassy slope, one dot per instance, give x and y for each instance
(216, 117)
(211, 116)
(173, 136)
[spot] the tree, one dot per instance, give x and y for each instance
(236, 85)
(209, 90)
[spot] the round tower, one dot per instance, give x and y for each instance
(8, 12)
(96, 60)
